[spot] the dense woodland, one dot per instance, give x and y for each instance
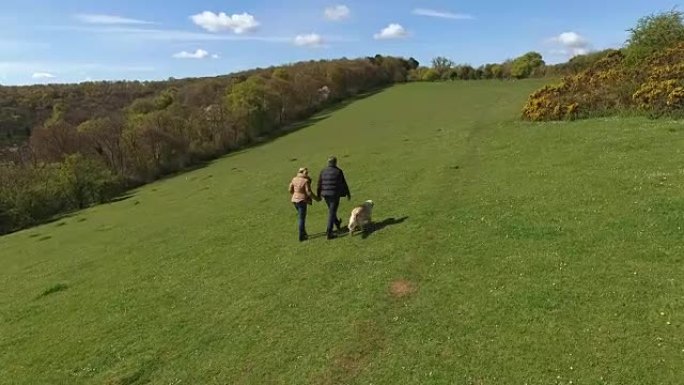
(68, 146)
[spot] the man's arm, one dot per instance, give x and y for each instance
(319, 184)
(345, 187)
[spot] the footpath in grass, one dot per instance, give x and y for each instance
(506, 253)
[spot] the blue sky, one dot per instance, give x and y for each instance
(72, 41)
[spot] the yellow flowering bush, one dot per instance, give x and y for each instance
(655, 88)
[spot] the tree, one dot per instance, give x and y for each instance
(417, 75)
(431, 75)
(465, 72)
(104, 137)
(86, 181)
(526, 64)
(653, 33)
(337, 79)
(252, 104)
(442, 65)
(54, 141)
(281, 84)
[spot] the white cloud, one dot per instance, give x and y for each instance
(29, 72)
(43, 75)
(309, 40)
(212, 22)
(571, 39)
(107, 19)
(392, 31)
(337, 12)
(19, 67)
(215, 56)
(198, 54)
(571, 44)
(151, 34)
(442, 14)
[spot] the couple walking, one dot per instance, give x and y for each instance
(331, 186)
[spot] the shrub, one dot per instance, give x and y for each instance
(85, 181)
(431, 75)
(652, 34)
(662, 92)
(600, 90)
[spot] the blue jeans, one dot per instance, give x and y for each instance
(301, 218)
(333, 204)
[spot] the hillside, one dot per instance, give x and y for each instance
(506, 252)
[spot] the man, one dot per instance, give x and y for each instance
(331, 187)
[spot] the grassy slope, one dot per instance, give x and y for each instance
(539, 254)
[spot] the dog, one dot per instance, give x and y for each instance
(361, 217)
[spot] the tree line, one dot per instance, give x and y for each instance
(69, 146)
(529, 65)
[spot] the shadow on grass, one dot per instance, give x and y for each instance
(375, 227)
(53, 289)
(342, 233)
(379, 226)
(121, 198)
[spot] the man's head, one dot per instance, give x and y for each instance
(332, 161)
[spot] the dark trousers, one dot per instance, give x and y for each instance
(301, 218)
(333, 204)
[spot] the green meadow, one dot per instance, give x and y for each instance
(504, 252)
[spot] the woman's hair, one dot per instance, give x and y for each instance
(303, 171)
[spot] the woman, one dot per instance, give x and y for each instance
(302, 196)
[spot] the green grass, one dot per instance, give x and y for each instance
(529, 253)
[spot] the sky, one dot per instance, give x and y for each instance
(68, 41)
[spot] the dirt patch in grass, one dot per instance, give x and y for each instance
(402, 288)
(351, 360)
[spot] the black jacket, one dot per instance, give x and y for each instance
(331, 183)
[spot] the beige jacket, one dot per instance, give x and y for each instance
(300, 188)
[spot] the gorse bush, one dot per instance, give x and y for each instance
(601, 90)
(662, 92)
(646, 77)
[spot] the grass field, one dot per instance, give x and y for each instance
(507, 253)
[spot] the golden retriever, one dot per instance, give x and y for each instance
(361, 217)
